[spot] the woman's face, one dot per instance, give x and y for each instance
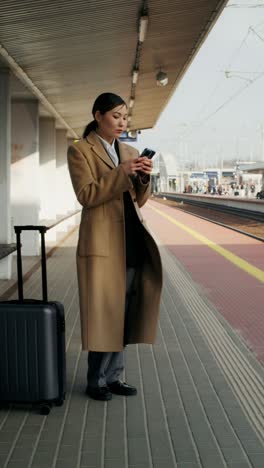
(112, 123)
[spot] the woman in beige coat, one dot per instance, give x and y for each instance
(118, 262)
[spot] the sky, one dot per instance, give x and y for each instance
(217, 111)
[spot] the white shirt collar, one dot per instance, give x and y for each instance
(110, 149)
(106, 144)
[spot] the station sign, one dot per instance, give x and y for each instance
(211, 174)
(128, 136)
(197, 175)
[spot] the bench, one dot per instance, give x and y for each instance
(6, 249)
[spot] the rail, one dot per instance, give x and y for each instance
(245, 213)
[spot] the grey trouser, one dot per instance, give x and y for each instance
(106, 367)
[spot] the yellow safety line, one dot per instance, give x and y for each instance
(239, 262)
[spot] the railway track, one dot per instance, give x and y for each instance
(247, 222)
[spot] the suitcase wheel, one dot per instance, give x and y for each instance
(45, 410)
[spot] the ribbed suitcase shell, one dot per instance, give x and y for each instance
(32, 358)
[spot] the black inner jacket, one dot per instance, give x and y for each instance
(133, 229)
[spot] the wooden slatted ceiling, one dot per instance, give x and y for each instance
(74, 50)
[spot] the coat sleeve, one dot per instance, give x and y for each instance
(142, 188)
(141, 185)
(91, 192)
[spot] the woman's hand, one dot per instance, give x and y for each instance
(146, 165)
(142, 166)
(132, 166)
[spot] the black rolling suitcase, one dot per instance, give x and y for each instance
(32, 343)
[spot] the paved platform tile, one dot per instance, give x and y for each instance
(186, 413)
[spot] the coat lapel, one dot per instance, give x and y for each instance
(125, 152)
(98, 149)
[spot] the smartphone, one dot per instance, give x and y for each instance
(149, 153)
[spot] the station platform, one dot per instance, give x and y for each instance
(200, 401)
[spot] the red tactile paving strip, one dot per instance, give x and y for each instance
(237, 295)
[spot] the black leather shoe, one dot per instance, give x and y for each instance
(122, 388)
(99, 393)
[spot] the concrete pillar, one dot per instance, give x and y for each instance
(75, 205)
(5, 164)
(25, 203)
(47, 160)
(64, 193)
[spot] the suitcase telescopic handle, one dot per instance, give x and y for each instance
(42, 230)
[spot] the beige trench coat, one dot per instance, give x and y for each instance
(101, 257)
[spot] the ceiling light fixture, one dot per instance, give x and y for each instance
(135, 76)
(131, 102)
(162, 78)
(143, 24)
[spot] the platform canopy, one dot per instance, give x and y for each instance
(67, 52)
(257, 168)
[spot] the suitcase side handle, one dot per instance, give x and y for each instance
(42, 230)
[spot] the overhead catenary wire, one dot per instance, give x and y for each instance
(256, 33)
(231, 98)
(259, 24)
(188, 132)
(222, 78)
